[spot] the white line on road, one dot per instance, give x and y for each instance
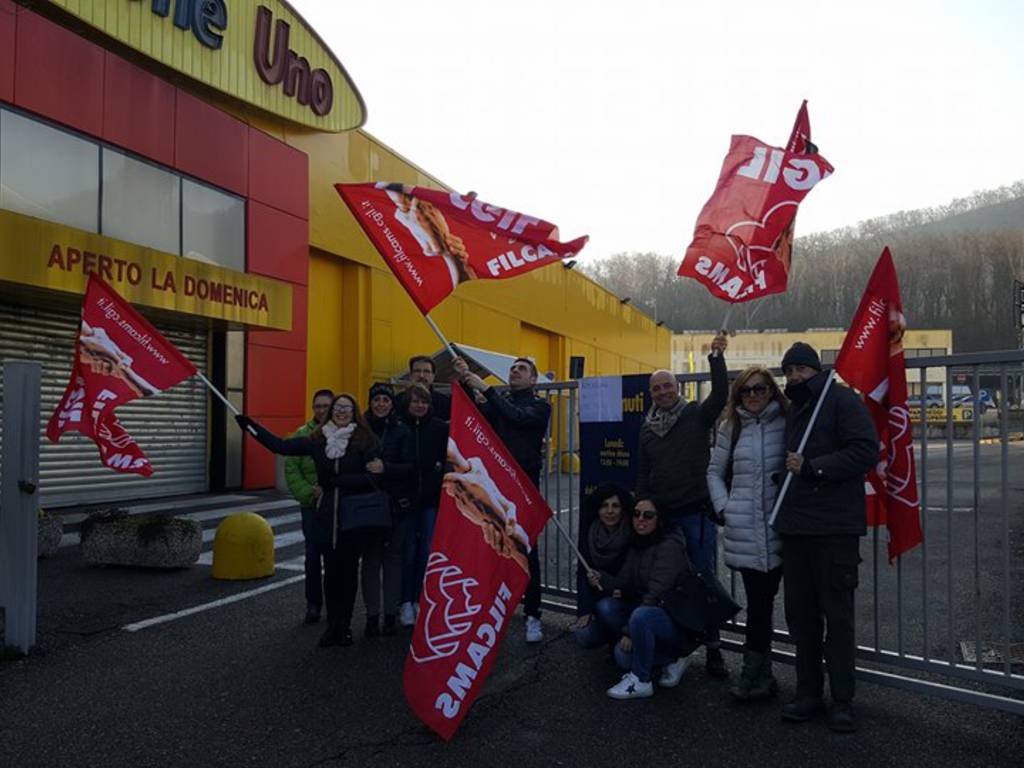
(280, 542)
(275, 522)
(138, 509)
(211, 605)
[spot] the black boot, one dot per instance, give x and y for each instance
(331, 635)
(801, 709)
(389, 627)
(312, 614)
(372, 626)
(715, 663)
(841, 717)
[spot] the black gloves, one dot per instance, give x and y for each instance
(245, 423)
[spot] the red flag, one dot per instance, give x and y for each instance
(800, 136)
(119, 357)
(872, 361)
(434, 240)
(489, 517)
(744, 235)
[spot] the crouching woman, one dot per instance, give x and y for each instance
(650, 643)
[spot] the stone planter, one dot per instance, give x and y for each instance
(148, 541)
(49, 532)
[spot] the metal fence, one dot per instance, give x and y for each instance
(948, 617)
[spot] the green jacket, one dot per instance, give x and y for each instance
(300, 472)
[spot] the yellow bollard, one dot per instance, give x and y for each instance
(570, 461)
(243, 548)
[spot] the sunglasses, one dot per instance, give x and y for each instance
(754, 389)
(645, 514)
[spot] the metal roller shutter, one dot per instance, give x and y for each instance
(170, 427)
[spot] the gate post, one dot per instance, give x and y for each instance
(19, 505)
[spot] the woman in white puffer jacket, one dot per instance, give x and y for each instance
(747, 464)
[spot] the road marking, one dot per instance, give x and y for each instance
(139, 509)
(211, 605)
(274, 522)
(280, 542)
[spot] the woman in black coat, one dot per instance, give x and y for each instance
(430, 452)
(344, 450)
(383, 551)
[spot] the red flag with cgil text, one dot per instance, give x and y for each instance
(433, 241)
(872, 361)
(489, 517)
(119, 357)
(742, 244)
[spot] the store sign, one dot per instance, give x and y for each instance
(52, 256)
(261, 53)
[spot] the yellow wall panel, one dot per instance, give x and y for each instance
(326, 352)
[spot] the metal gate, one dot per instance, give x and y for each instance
(171, 427)
(948, 617)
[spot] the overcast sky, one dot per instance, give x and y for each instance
(612, 118)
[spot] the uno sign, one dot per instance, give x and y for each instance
(252, 51)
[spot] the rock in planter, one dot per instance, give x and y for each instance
(49, 532)
(149, 541)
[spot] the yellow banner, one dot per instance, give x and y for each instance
(47, 255)
(262, 53)
(938, 415)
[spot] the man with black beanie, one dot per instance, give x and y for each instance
(821, 520)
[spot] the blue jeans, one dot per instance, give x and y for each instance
(656, 642)
(703, 554)
(611, 614)
(416, 537)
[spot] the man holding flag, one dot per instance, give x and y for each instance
(821, 519)
(521, 420)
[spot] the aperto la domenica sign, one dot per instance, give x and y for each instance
(262, 53)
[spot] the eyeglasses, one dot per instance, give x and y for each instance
(645, 515)
(754, 389)
(339, 408)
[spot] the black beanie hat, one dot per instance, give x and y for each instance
(380, 388)
(801, 354)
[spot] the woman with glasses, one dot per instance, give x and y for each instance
(746, 466)
(648, 640)
(345, 451)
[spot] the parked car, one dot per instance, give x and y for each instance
(985, 400)
(931, 400)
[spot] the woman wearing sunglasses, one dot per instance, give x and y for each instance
(746, 463)
(345, 451)
(656, 563)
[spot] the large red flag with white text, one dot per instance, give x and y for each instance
(433, 241)
(872, 361)
(119, 357)
(743, 241)
(489, 517)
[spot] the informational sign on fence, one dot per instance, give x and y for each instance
(608, 450)
(600, 399)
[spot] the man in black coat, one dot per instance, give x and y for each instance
(521, 419)
(821, 520)
(672, 467)
(422, 371)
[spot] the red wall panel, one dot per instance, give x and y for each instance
(275, 381)
(278, 244)
(58, 74)
(296, 337)
(259, 464)
(8, 14)
(278, 174)
(138, 111)
(210, 144)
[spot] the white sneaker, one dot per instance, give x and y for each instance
(407, 614)
(534, 630)
(630, 687)
(673, 673)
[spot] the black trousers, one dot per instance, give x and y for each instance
(761, 588)
(341, 578)
(531, 598)
(821, 578)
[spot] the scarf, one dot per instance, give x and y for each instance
(661, 422)
(607, 546)
(337, 438)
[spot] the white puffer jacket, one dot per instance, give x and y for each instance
(760, 453)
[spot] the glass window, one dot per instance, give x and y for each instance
(140, 203)
(48, 173)
(213, 226)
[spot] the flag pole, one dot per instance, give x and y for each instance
(217, 392)
(803, 444)
(724, 327)
(572, 544)
(447, 344)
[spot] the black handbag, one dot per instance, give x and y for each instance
(363, 511)
(700, 603)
